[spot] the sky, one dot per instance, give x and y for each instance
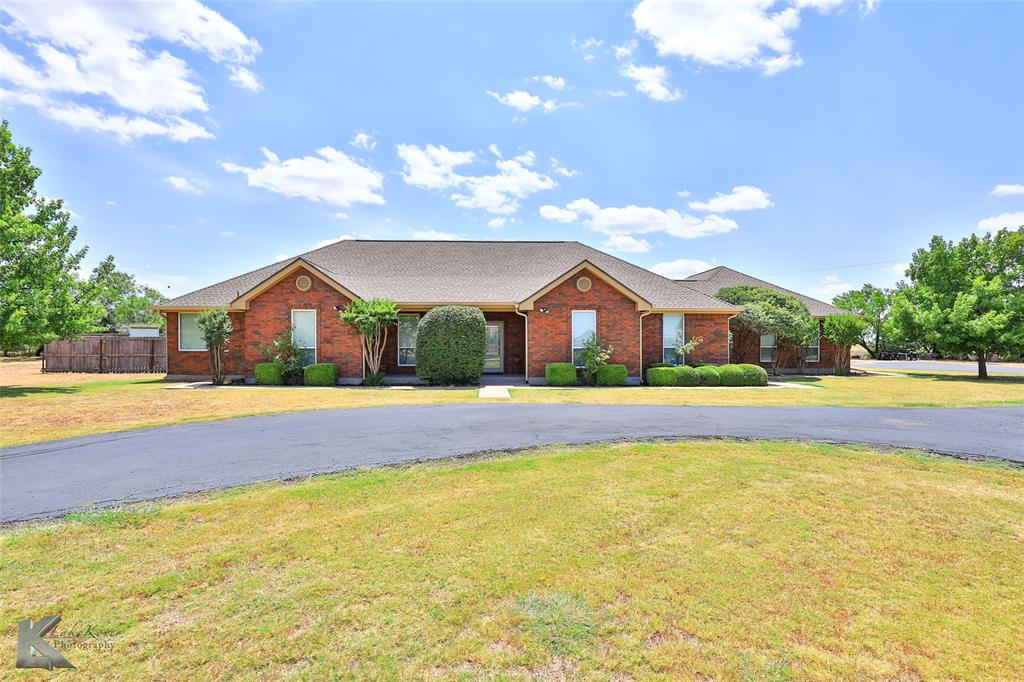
(814, 143)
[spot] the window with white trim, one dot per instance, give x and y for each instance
(584, 325)
(304, 334)
(189, 335)
(812, 351)
(407, 326)
(672, 327)
(767, 347)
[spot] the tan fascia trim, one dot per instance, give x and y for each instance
(184, 308)
(641, 302)
(419, 306)
(700, 311)
(242, 302)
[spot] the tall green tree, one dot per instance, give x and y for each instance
(41, 298)
(968, 297)
(769, 311)
(843, 331)
(873, 305)
(123, 299)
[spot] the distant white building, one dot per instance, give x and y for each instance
(143, 330)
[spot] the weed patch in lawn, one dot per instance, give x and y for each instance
(563, 623)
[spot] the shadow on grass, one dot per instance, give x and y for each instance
(68, 389)
(992, 379)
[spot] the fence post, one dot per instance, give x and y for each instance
(152, 355)
(102, 344)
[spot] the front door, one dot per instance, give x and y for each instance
(494, 348)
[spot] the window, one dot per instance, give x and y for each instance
(812, 351)
(672, 326)
(407, 326)
(304, 334)
(189, 336)
(584, 325)
(767, 347)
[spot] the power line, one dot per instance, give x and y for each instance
(839, 267)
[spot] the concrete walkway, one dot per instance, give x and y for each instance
(53, 478)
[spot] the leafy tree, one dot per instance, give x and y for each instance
(371, 320)
(594, 354)
(124, 300)
(684, 347)
(284, 352)
(769, 311)
(843, 331)
(969, 297)
(873, 305)
(41, 298)
(215, 326)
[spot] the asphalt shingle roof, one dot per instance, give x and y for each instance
(500, 272)
(710, 281)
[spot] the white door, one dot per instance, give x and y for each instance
(494, 348)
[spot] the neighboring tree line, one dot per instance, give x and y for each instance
(961, 299)
(43, 295)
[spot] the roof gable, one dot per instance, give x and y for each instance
(711, 281)
(641, 303)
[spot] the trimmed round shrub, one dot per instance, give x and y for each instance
(755, 376)
(709, 375)
(686, 376)
(269, 374)
(661, 376)
(450, 345)
(612, 375)
(656, 365)
(732, 375)
(560, 374)
(320, 374)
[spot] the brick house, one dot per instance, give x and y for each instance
(539, 299)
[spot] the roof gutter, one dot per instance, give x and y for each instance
(643, 314)
(526, 343)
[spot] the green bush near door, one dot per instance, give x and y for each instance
(612, 375)
(661, 376)
(732, 375)
(686, 376)
(320, 374)
(270, 374)
(560, 374)
(709, 375)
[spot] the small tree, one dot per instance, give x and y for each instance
(843, 331)
(215, 326)
(594, 355)
(873, 305)
(284, 352)
(371, 320)
(684, 347)
(768, 311)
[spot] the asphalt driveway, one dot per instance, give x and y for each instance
(53, 478)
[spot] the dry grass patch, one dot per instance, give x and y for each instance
(700, 560)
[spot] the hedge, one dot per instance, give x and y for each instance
(450, 345)
(755, 376)
(656, 365)
(661, 376)
(560, 374)
(320, 374)
(269, 374)
(709, 375)
(732, 375)
(686, 376)
(612, 375)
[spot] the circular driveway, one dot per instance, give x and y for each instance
(53, 478)
(994, 368)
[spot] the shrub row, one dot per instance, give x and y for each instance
(564, 374)
(319, 374)
(661, 374)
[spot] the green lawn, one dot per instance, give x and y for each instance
(699, 560)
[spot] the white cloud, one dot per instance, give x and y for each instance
(436, 236)
(752, 34)
(830, 286)
(363, 141)
(117, 56)
(493, 148)
(638, 220)
(331, 177)
(340, 215)
(226, 233)
(897, 269)
(327, 242)
(625, 51)
(681, 268)
(611, 93)
(996, 223)
(496, 222)
(110, 202)
(280, 257)
(588, 47)
(742, 198)
(553, 82)
(562, 170)
(683, 194)
(433, 167)
(1007, 190)
(183, 184)
(652, 81)
(245, 78)
(517, 99)
(626, 244)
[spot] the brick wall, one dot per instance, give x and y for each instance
(197, 363)
(515, 344)
(747, 349)
(713, 327)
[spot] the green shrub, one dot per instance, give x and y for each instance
(450, 345)
(754, 375)
(320, 374)
(269, 374)
(657, 365)
(686, 376)
(661, 376)
(732, 375)
(594, 355)
(560, 374)
(612, 375)
(709, 375)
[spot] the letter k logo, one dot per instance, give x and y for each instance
(33, 651)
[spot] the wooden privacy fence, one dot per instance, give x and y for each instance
(102, 353)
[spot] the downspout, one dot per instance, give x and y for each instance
(642, 316)
(526, 344)
(728, 346)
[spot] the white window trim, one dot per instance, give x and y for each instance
(761, 347)
(673, 346)
(316, 334)
(398, 340)
(817, 350)
(188, 350)
(572, 349)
